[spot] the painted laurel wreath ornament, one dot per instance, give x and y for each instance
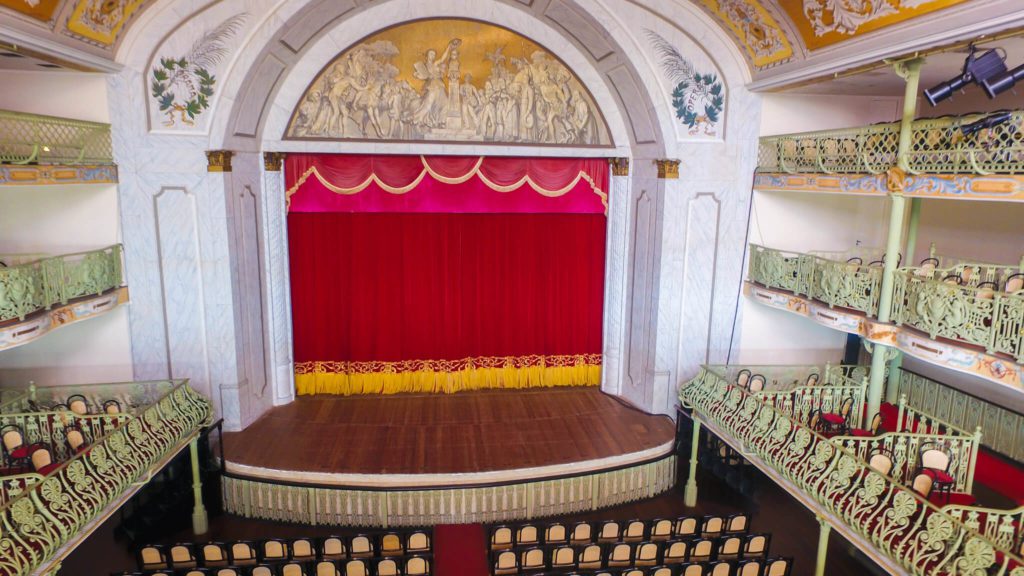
(698, 99)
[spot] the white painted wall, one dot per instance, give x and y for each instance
(62, 220)
(784, 113)
(985, 231)
(77, 95)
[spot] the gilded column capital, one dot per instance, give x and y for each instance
(272, 161)
(218, 160)
(620, 166)
(668, 168)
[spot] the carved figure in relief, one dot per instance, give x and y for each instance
(847, 16)
(528, 98)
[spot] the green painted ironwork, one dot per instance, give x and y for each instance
(936, 146)
(1004, 527)
(40, 284)
(1003, 429)
(14, 400)
(896, 521)
(58, 508)
(959, 303)
(33, 138)
(844, 279)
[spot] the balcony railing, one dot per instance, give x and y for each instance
(967, 303)
(838, 279)
(32, 138)
(1004, 429)
(37, 522)
(40, 284)
(884, 513)
(938, 146)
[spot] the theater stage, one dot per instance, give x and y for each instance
(427, 459)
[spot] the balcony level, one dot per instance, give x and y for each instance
(800, 426)
(949, 157)
(39, 295)
(963, 315)
(47, 150)
(73, 455)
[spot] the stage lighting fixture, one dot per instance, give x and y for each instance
(985, 123)
(1003, 82)
(977, 69)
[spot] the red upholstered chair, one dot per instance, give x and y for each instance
(872, 430)
(1014, 283)
(75, 439)
(923, 484)
(836, 422)
(756, 383)
(78, 404)
(743, 378)
(15, 450)
(42, 458)
(936, 462)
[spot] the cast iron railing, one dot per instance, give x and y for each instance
(40, 284)
(937, 146)
(885, 513)
(33, 138)
(57, 508)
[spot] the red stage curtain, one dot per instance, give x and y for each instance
(387, 301)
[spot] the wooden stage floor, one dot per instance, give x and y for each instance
(469, 432)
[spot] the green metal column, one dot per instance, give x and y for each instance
(892, 387)
(200, 520)
(823, 534)
(911, 72)
(690, 492)
(915, 221)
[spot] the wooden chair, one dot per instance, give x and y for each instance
(712, 526)
(720, 568)
(590, 558)
(836, 422)
(242, 553)
(563, 558)
(78, 404)
(228, 571)
(749, 568)
(532, 559)
(693, 569)
(610, 531)
(685, 526)
(326, 568)
(954, 279)
(302, 549)
(923, 484)
(936, 461)
(291, 569)
(360, 546)
(357, 567)
(812, 379)
(387, 567)
(757, 382)
(676, 552)
(756, 546)
(778, 567)
(646, 554)
(333, 548)
(881, 460)
(815, 422)
(620, 555)
(417, 566)
(556, 534)
(75, 439)
(15, 448)
(42, 460)
(273, 550)
(418, 542)
(151, 557)
(702, 550)
(501, 538)
(112, 407)
(661, 529)
(1014, 283)
(737, 524)
(527, 535)
(262, 570)
(213, 555)
(873, 428)
(743, 378)
(582, 533)
(634, 531)
(181, 556)
(661, 571)
(506, 562)
(391, 545)
(730, 548)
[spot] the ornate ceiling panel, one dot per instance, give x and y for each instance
(825, 22)
(38, 9)
(100, 21)
(754, 28)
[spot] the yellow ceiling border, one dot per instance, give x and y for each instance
(100, 21)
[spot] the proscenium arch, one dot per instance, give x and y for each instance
(271, 86)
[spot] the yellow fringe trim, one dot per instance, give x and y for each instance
(447, 376)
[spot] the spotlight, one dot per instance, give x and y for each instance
(977, 69)
(998, 84)
(985, 123)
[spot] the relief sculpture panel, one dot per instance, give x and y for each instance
(449, 80)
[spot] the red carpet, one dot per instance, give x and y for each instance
(460, 550)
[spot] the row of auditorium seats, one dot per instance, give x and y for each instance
(625, 554)
(504, 537)
(770, 567)
(398, 566)
(245, 553)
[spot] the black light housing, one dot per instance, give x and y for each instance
(977, 69)
(985, 123)
(998, 84)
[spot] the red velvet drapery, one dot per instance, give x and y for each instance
(387, 298)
